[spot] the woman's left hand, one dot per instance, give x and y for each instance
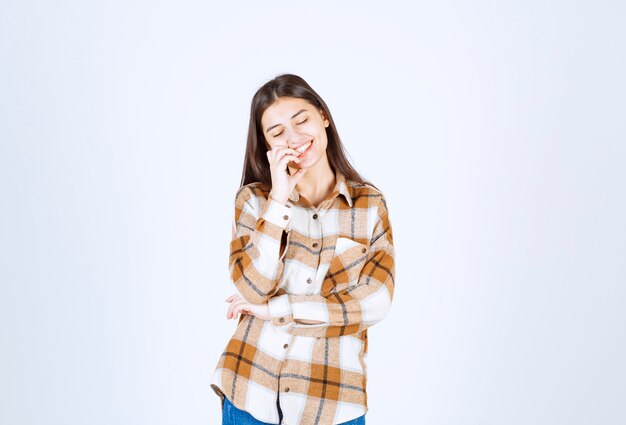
(238, 305)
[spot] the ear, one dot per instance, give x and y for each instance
(326, 121)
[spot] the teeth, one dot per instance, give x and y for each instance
(303, 147)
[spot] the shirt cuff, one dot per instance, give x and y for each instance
(280, 310)
(277, 213)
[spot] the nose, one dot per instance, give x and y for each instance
(296, 139)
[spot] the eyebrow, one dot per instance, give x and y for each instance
(292, 117)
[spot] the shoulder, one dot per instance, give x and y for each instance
(366, 195)
(252, 191)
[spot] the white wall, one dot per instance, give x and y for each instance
(496, 130)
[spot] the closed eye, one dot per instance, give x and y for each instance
(301, 122)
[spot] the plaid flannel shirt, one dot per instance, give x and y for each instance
(333, 264)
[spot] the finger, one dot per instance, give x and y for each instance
(234, 306)
(298, 174)
(243, 308)
(286, 160)
(232, 297)
(231, 307)
(281, 161)
(281, 158)
(278, 152)
(240, 309)
(238, 303)
(290, 151)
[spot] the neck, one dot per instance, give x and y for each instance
(318, 181)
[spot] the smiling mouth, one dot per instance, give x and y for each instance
(303, 149)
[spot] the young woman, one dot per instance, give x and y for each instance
(312, 257)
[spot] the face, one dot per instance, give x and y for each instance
(295, 123)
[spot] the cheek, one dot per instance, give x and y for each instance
(322, 140)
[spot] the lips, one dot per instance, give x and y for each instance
(302, 149)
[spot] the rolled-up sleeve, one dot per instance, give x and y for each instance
(258, 244)
(351, 310)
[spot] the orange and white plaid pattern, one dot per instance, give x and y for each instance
(332, 264)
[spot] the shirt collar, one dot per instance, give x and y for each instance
(341, 188)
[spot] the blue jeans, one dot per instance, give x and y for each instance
(233, 416)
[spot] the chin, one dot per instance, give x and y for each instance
(306, 164)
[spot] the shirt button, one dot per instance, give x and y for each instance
(363, 250)
(281, 320)
(314, 216)
(314, 244)
(286, 217)
(288, 206)
(286, 389)
(285, 346)
(309, 280)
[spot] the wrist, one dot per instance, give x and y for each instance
(279, 199)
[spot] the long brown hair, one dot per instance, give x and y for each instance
(256, 167)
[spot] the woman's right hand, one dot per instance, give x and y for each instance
(282, 182)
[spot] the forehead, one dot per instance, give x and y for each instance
(283, 109)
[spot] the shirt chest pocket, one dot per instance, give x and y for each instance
(345, 266)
